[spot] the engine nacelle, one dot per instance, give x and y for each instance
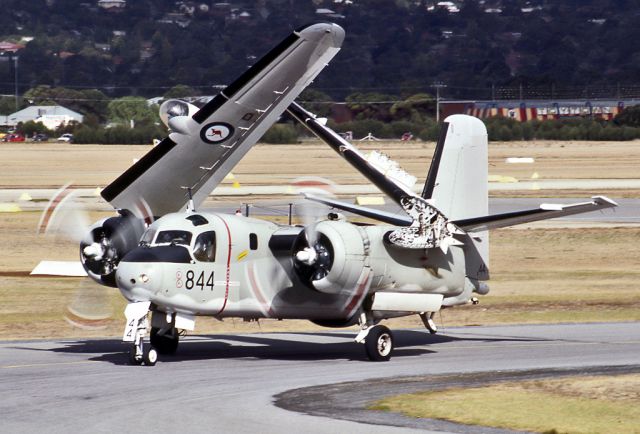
(172, 108)
(341, 251)
(106, 243)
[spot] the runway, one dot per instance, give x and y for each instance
(227, 383)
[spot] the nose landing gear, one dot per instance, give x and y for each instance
(136, 328)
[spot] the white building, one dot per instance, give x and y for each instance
(51, 116)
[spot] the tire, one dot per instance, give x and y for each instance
(379, 344)
(150, 356)
(132, 356)
(166, 344)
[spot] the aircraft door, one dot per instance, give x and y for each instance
(206, 281)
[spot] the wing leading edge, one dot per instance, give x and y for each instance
(202, 149)
(544, 212)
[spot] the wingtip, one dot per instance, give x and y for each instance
(604, 200)
(319, 30)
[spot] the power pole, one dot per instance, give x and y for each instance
(15, 75)
(438, 86)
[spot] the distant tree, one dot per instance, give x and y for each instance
(8, 105)
(370, 105)
(416, 108)
(180, 91)
(316, 101)
(630, 117)
(124, 110)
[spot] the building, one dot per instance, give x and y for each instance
(9, 47)
(50, 116)
(112, 4)
(538, 109)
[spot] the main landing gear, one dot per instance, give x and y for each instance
(164, 339)
(377, 339)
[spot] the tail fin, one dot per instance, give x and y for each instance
(457, 183)
(460, 187)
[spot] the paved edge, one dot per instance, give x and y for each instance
(349, 400)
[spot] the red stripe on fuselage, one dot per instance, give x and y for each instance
(257, 292)
(357, 297)
(226, 292)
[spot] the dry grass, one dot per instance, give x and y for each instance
(572, 404)
(52, 165)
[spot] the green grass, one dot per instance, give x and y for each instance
(515, 407)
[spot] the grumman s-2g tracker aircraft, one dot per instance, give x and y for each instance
(176, 263)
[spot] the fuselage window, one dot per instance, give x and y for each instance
(253, 241)
(174, 237)
(204, 249)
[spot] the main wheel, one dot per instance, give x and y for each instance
(379, 344)
(150, 356)
(166, 343)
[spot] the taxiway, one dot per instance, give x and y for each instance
(227, 383)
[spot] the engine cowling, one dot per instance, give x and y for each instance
(334, 263)
(107, 242)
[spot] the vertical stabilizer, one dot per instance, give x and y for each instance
(460, 190)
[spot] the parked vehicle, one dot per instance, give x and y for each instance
(41, 137)
(13, 138)
(67, 137)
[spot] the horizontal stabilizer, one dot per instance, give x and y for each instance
(382, 216)
(545, 211)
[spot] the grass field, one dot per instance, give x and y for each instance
(599, 404)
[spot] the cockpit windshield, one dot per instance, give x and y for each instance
(147, 237)
(174, 237)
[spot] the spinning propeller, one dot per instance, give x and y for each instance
(102, 245)
(313, 251)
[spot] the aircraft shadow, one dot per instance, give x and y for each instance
(407, 343)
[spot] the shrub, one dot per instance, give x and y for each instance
(280, 134)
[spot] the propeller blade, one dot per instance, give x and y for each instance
(65, 216)
(308, 211)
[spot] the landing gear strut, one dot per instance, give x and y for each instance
(137, 325)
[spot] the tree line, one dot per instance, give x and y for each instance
(399, 47)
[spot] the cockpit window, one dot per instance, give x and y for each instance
(205, 248)
(174, 237)
(147, 237)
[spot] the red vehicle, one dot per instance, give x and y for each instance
(13, 138)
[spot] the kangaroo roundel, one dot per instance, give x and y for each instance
(216, 132)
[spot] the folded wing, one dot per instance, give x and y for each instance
(203, 148)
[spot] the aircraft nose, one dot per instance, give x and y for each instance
(138, 281)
